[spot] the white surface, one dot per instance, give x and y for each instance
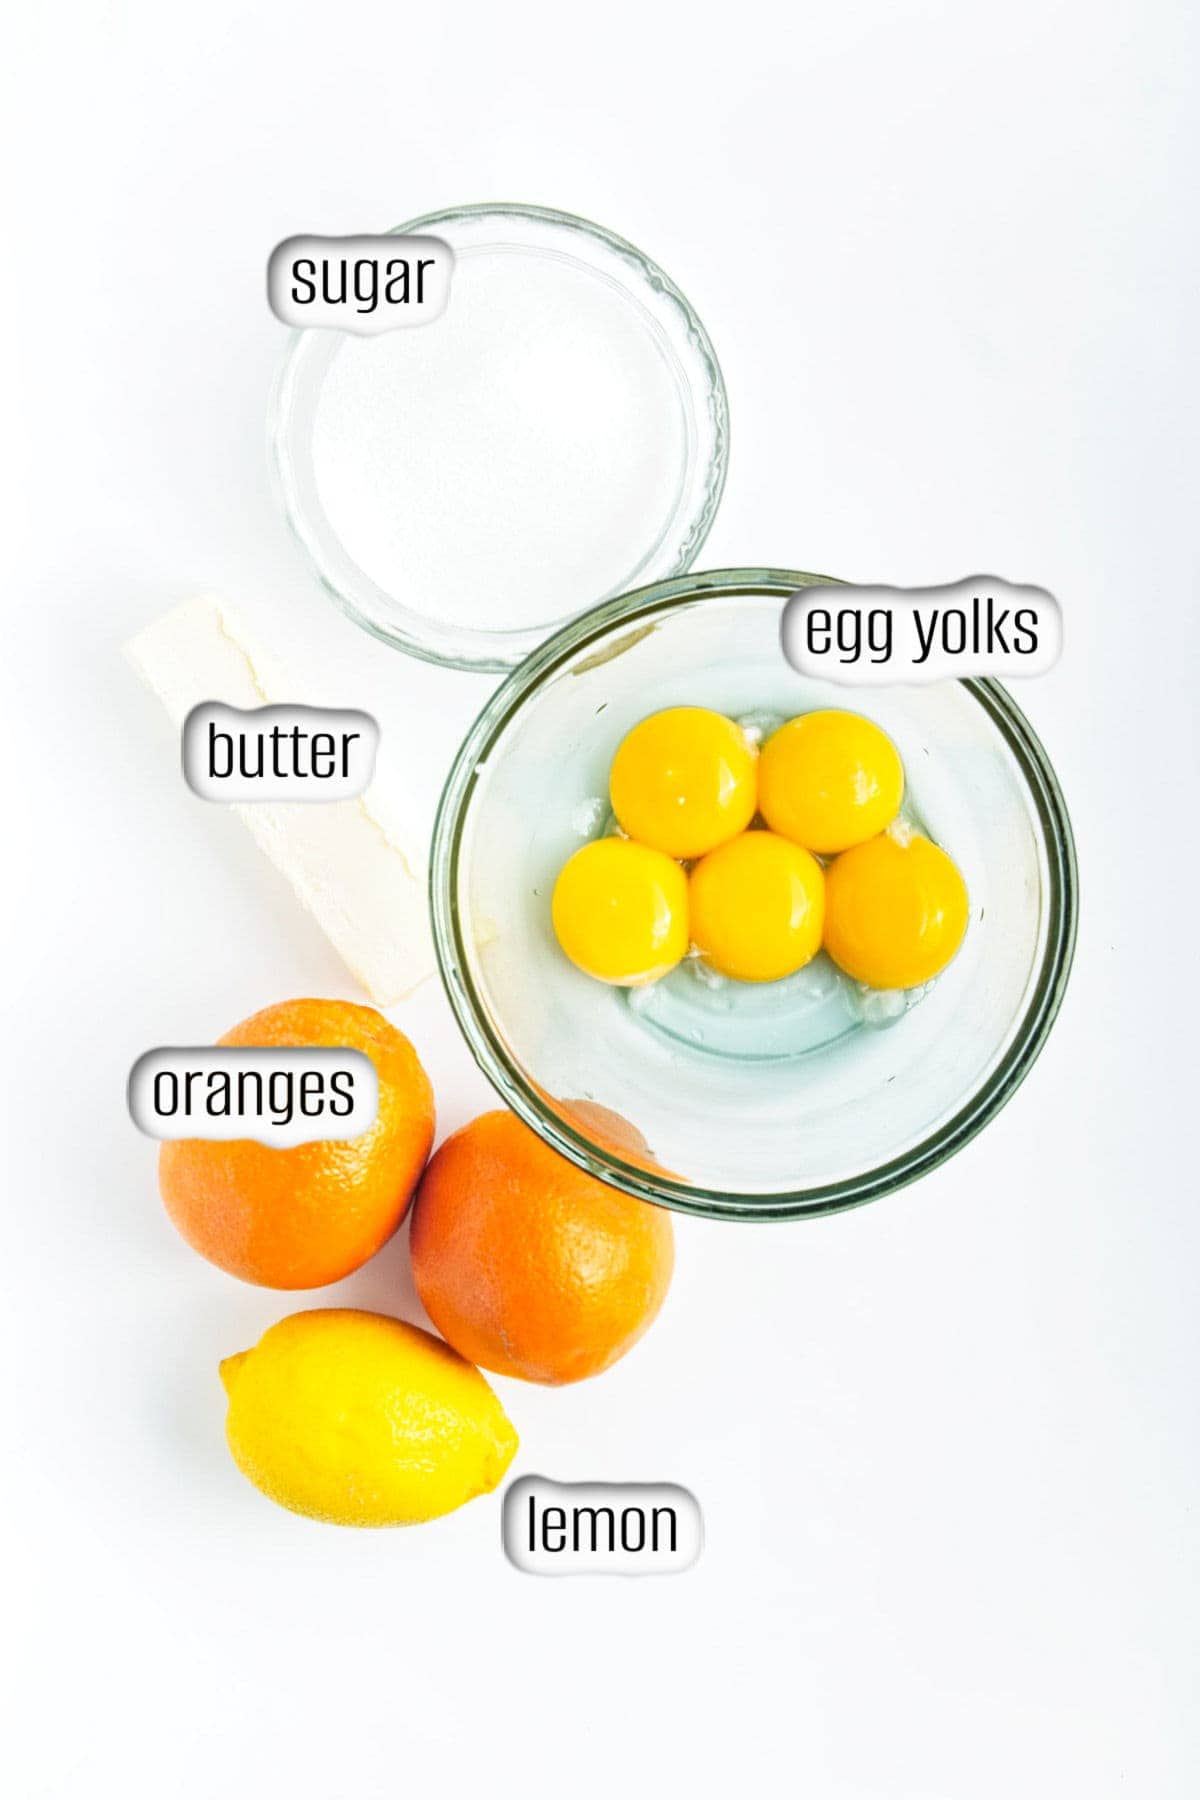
(945, 1446)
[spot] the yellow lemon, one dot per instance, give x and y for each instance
(828, 780)
(620, 912)
(359, 1419)
(757, 907)
(683, 781)
(895, 911)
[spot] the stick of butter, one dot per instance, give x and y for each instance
(342, 863)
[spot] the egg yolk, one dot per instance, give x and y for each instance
(829, 780)
(684, 781)
(757, 906)
(620, 911)
(895, 911)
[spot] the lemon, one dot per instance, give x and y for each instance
(359, 1419)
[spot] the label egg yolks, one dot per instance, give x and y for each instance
(684, 781)
(829, 780)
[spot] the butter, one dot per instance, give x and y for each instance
(343, 864)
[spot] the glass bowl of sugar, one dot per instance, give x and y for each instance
(558, 436)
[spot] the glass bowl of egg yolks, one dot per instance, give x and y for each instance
(748, 1075)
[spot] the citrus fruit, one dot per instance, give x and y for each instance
(606, 1129)
(602, 1126)
(308, 1215)
(529, 1266)
(362, 1420)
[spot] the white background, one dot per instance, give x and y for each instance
(946, 1445)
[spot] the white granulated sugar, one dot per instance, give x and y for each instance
(511, 462)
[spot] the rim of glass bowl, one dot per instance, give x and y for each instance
(1046, 988)
(698, 377)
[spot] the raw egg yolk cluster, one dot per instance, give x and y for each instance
(684, 781)
(895, 910)
(757, 907)
(620, 911)
(686, 786)
(829, 780)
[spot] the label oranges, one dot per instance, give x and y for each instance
(302, 1217)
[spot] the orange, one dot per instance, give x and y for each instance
(527, 1265)
(308, 1215)
(610, 1130)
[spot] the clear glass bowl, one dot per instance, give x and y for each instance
(559, 435)
(732, 1135)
